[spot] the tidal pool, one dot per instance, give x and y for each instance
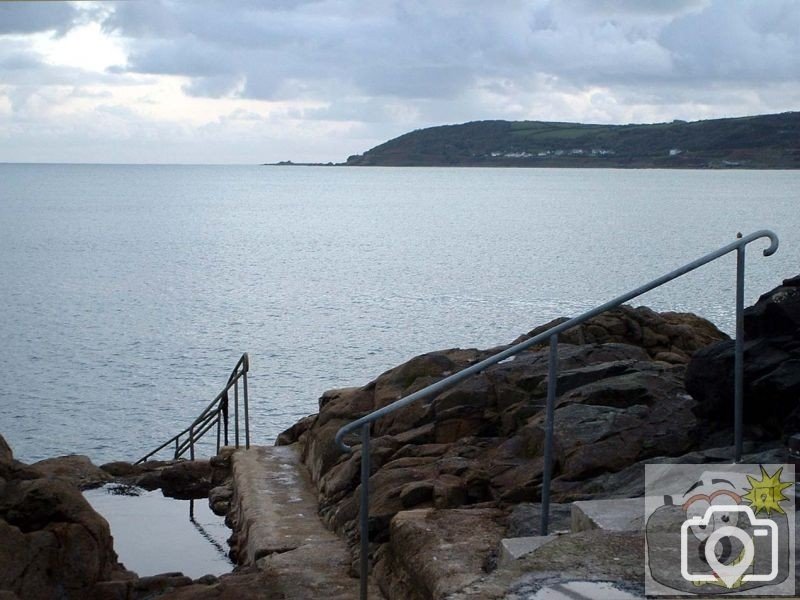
(153, 534)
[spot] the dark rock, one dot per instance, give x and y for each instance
(416, 493)
(187, 480)
(160, 584)
(6, 455)
(771, 366)
(121, 469)
(524, 520)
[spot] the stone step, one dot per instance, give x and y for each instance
(623, 514)
(512, 549)
(279, 531)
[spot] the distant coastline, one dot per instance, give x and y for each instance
(756, 142)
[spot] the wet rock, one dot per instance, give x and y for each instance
(187, 480)
(181, 479)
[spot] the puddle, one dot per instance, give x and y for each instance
(153, 534)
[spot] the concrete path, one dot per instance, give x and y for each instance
(275, 514)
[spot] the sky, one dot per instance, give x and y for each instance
(249, 81)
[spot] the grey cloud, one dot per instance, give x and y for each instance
(32, 17)
(440, 50)
(759, 42)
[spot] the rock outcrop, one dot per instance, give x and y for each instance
(771, 366)
(475, 451)
(54, 545)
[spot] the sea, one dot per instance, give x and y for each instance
(129, 292)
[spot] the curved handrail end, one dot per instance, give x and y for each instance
(773, 243)
(340, 442)
(757, 235)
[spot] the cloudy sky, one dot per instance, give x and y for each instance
(249, 81)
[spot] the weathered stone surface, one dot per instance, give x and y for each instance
(680, 334)
(608, 515)
(432, 553)
(524, 519)
(219, 499)
(512, 549)
(598, 556)
(620, 401)
(54, 545)
(75, 469)
(771, 366)
(274, 507)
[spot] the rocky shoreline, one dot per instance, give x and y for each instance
(454, 476)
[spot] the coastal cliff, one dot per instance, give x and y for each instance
(755, 142)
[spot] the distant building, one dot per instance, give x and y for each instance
(675, 151)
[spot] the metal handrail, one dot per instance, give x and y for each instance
(216, 413)
(552, 335)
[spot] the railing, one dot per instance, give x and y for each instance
(552, 336)
(216, 413)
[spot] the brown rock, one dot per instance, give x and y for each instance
(75, 469)
(432, 553)
(416, 493)
(54, 544)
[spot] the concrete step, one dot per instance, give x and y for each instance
(512, 549)
(279, 531)
(623, 514)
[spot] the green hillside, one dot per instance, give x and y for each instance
(759, 142)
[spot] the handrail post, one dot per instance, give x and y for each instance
(225, 416)
(552, 375)
(191, 442)
(246, 413)
(218, 431)
(364, 512)
(177, 438)
(738, 368)
(236, 411)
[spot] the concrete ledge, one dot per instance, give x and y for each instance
(513, 548)
(624, 514)
(274, 506)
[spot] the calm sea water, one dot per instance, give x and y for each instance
(129, 292)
